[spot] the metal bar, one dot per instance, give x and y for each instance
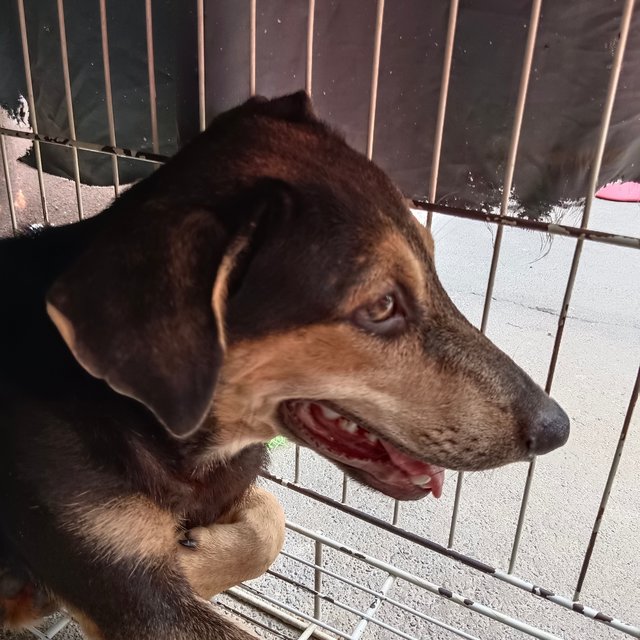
(375, 73)
(244, 590)
(310, 26)
(478, 565)
(151, 68)
(250, 620)
(390, 601)
(345, 485)
(396, 512)
(69, 100)
(373, 608)
(347, 608)
(609, 485)
(252, 47)
(33, 116)
(512, 154)
(121, 152)
(456, 508)
(442, 104)
(317, 579)
(296, 467)
(431, 587)
(252, 598)
(57, 627)
(104, 34)
(7, 182)
(308, 632)
(550, 228)
(625, 25)
(202, 115)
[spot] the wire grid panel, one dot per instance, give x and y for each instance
(403, 584)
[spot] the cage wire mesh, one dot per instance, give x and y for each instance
(357, 565)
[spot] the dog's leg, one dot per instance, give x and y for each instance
(113, 563)
(240, 546)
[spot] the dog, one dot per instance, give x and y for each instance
(267, 280)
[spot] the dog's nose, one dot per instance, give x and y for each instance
(549, 428)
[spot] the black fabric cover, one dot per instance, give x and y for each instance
(572, 63)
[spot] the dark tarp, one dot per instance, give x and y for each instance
(572, 63)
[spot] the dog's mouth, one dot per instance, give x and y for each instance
(367, 456)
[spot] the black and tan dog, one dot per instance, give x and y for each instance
(268, 279)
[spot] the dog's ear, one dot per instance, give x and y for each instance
(295, 107)
(143, 308)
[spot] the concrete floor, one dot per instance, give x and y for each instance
(596, 371)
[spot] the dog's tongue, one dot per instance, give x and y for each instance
(416, 468)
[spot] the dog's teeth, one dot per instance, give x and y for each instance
(421, 481)
(329, 414)
(347, 425)
(372, 437)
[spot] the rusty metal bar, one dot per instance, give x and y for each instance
(69, 100)
(151, 70)
(7, 181)
(33, 116)
(202, 107)
(512, 154)
(609, 485)
(104, 34)
(625, 25)
(442, 104)
(375, 74)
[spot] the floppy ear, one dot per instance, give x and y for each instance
(143, 307)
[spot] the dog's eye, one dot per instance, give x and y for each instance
(384, 315)
(382, 309)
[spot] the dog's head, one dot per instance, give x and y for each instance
(273, 278)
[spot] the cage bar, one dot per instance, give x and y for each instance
(69, 101)
(442, 104)
(7, 182)
(625, 25)
(104, 34)
(33, 116)
(202, 113)
(512, 155)
(609, 485)
(252, 46)
(375, 74)
(310, 26)
(151, 70)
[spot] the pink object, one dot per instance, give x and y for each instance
(620, 192)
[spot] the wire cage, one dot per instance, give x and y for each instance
(518, 552)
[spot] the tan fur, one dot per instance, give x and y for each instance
(63, 325)
(130, 527)
(220, 287)
(89, 628)
(22, 611)
(241, 546)
(448, 416)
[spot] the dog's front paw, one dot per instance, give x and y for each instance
(240, 547)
